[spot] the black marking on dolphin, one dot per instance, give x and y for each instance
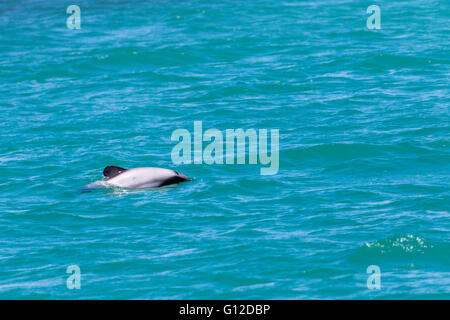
(175, 179)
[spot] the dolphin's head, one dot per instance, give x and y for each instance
(112, 171)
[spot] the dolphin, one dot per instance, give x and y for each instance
(137, 178)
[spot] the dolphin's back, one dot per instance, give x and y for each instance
(146, 177)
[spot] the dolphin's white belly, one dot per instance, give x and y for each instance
(146, 177)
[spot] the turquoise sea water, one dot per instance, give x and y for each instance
(364, 149)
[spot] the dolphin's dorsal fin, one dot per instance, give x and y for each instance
(112, 171)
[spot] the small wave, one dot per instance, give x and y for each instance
(405, 249)
(407, 244)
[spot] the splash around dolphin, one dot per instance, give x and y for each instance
(136, 178)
